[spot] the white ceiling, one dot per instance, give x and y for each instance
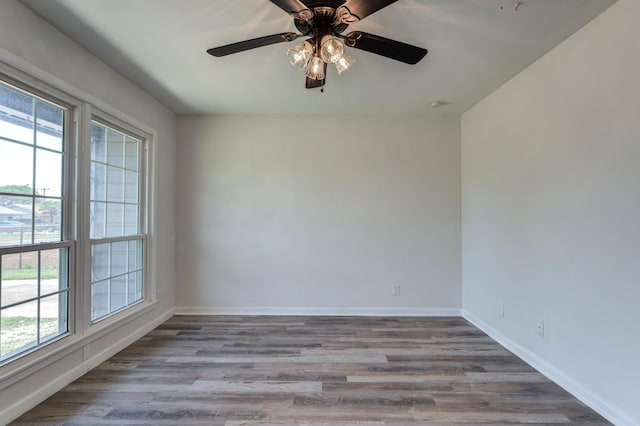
(474, 47)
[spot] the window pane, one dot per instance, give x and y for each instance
(118, 293)
(49, 124)
(135, 255)
(19, 329)
(133, 287)
(53, 315)
(99, 299)
(131, 187)
(131, 220)
(98, 182)
(54, 267)
(98, 220)
(132, 154)
(115, 220)
(48, 173)
(20, 207)
(139, 285)
(15, 220)
(99, 262)
(16, 115)
(13, 233)
(115, 184)
(19, 278)
(16, 167)
(117, 278)
(115, 148)
(48, 220)
(98, 143)
(118, 258)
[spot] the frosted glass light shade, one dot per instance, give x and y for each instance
(300, 54)
(331, 49)
(344, 63)
(315, 69)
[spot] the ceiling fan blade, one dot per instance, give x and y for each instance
(360, 9)
(252, 44)
(295, 8)
(385, 47)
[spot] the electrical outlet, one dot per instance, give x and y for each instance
(395, 290)
(540, 328)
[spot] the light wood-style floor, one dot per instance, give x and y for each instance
(233, 371)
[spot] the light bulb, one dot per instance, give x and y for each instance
(344, 63)
(331, 49)
(315, 69)
(299, 55)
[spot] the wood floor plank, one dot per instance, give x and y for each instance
(321, 371)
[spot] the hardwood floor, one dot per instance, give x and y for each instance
(233, 371)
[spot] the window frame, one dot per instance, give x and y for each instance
(148, 294)
(81, 109)
(68, 199)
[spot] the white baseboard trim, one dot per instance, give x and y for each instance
(602, 407)
(17, 409)
(317, 311)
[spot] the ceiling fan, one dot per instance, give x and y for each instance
(324, 21)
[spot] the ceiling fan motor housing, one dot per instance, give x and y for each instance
(323, 22)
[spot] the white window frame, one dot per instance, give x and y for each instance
(68, 238)
(82, 108)
(122, 126)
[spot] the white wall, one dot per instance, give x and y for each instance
(274, 215)
(30, 43)
(551, 213)
(309, 214)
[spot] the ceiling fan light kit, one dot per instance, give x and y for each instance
(344, 63)
(331, 49)
(324, 22)
(304, 56)
(300, 55)
(315, 70)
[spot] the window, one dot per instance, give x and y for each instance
(34, 241)
(60, 203)
(116, 223)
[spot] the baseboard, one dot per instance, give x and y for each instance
(605, 409)
(316, 311)
(17, 409)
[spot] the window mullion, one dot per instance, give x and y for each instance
(39, 274)
(34, 114)
(82, 287)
